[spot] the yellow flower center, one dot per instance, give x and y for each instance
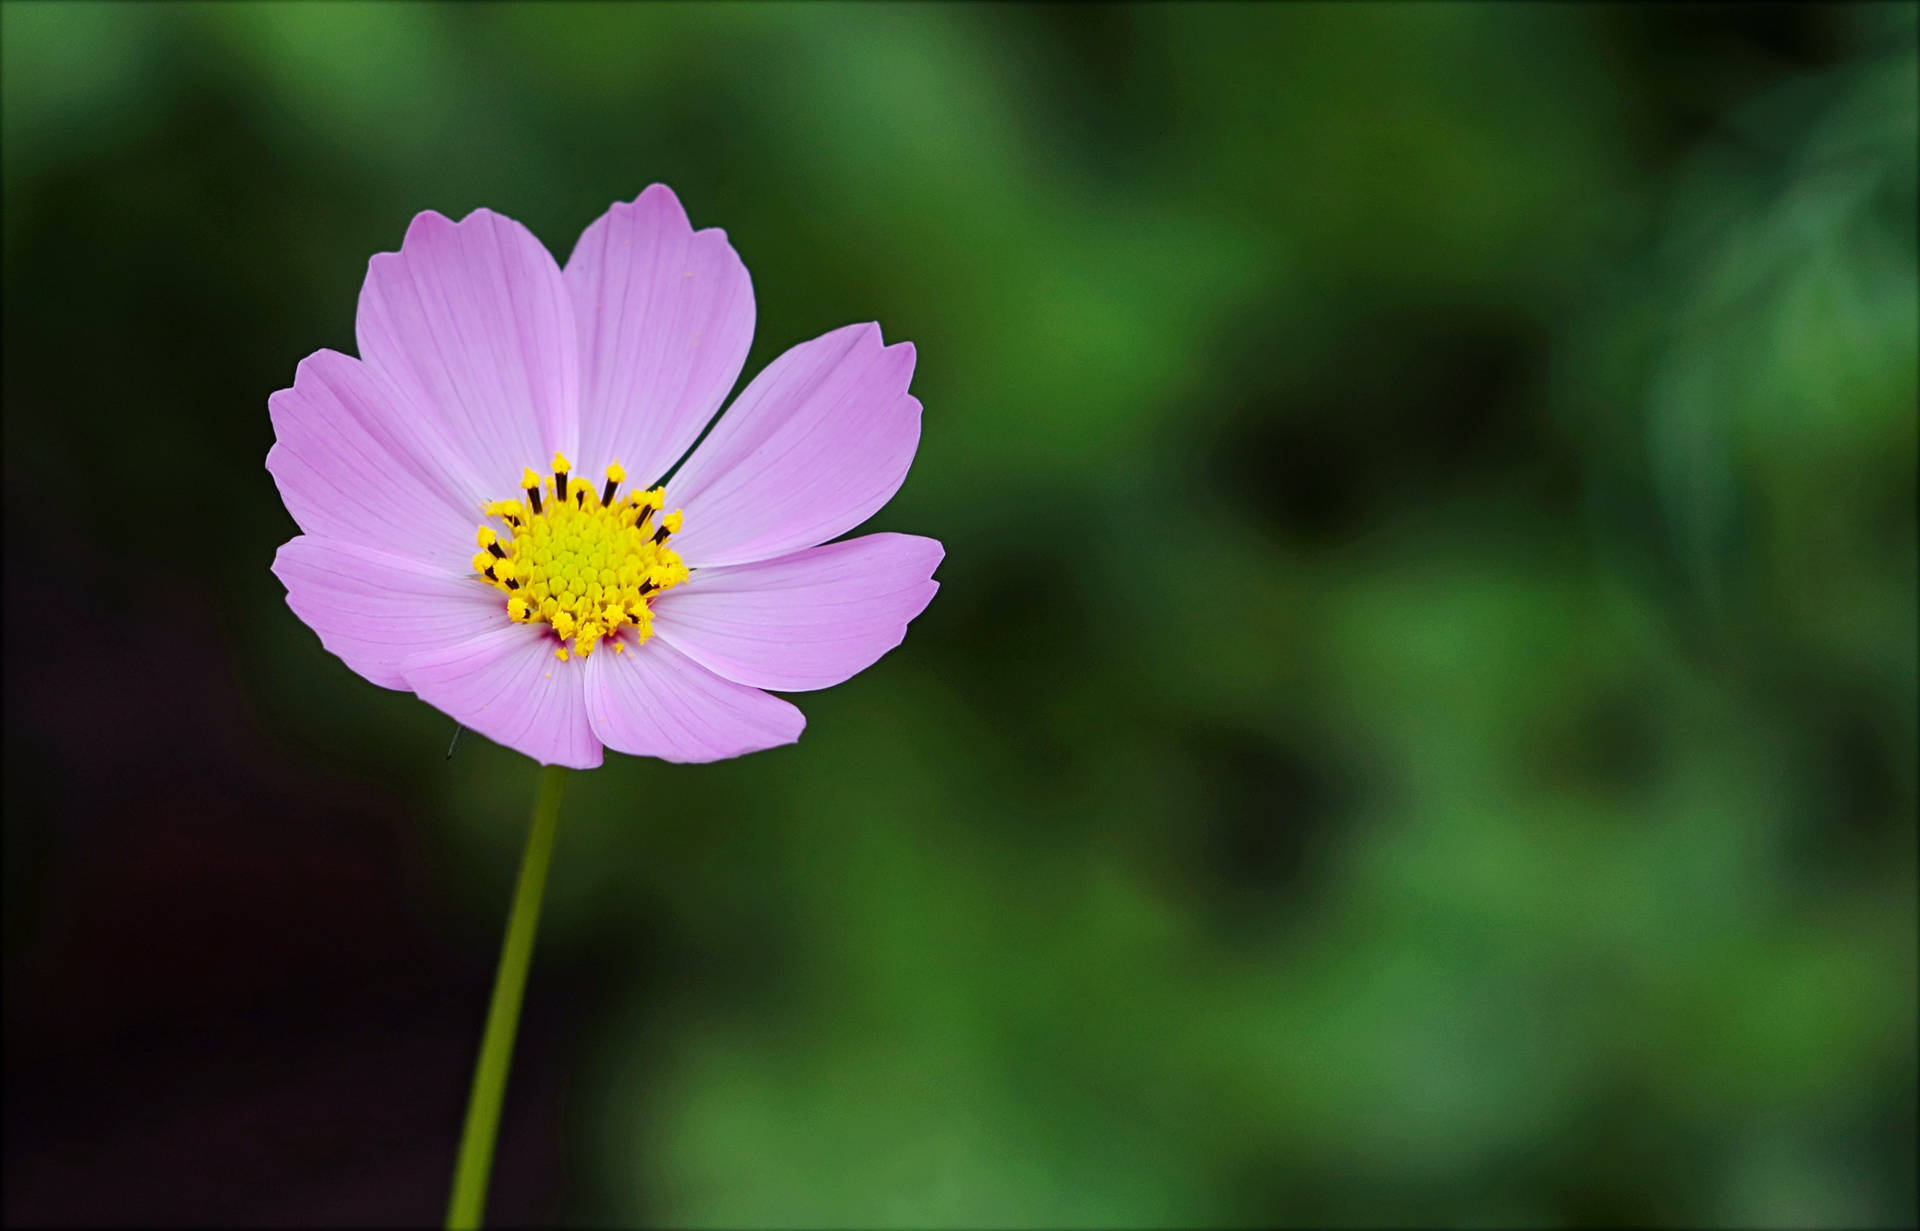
(585, 563)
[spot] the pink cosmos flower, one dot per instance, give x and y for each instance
(469, 533)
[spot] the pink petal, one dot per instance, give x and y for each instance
(376, 610)
(665, 315)
(655, 702)
(808, 620)
(354, 460)
(473, 321)
(508, 686)
(816, 443)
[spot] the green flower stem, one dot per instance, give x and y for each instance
(469, 1198)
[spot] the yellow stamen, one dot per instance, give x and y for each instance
(585, 568)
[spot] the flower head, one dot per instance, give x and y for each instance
(480, 495)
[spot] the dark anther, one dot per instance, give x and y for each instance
(512, 584)
(606, 493)
(660, 535)
(497, 553)
(533, 498)
(645, 586)
(580, 496)
(560, 483)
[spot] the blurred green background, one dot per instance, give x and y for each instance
(1419, 724)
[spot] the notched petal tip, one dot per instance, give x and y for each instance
(419, 227)
(482, 213)
(429, 217)
(309, 367)
(867, 333)
(429, 224)
(309, 370)
(660, 196)
(668, 210)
